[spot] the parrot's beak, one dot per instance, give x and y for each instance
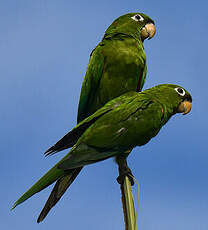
(148, 31)
(184, 107)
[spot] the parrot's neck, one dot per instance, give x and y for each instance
(168, 107)
(121, 35)
(168, 112)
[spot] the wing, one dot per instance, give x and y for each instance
(91, 82)
(112, 134)
(113, 129)
(72, 137)
(142, 78)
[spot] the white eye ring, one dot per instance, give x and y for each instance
(137, 18)
(180, 91)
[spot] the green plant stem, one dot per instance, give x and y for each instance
(128, 205)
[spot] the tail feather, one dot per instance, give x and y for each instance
(50, 177)
(59, 189)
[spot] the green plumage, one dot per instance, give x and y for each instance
(126, 122)
(117, 65)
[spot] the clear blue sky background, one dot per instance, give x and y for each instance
(44, 52)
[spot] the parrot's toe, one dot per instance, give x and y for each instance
(123, 174)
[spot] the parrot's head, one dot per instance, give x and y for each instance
(174, 97)
(138, 25)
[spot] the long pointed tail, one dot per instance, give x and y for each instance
(59, 189)
(50, 177)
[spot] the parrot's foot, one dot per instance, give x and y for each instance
(123, 168)
(122, 174)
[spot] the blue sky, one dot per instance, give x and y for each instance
(44, 52)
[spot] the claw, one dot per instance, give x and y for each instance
(123, 174)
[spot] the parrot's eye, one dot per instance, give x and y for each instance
(180, 91)
(137, 18)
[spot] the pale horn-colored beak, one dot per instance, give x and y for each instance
(148, 31)
(184, 107)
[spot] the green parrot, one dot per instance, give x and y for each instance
(117, 65)
(123, 123)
